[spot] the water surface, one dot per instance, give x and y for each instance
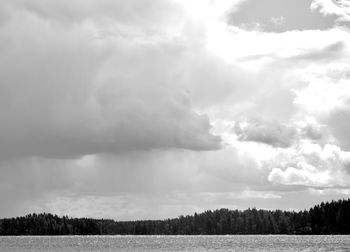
(175, 243)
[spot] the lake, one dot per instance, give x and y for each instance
(175, 243)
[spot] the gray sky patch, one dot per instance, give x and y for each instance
(280, 16)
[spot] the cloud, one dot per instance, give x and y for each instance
(331, 51)
(327, 98)
(267, 132)
(65, 93)
(78, 11)
(334, 50)
(79, 89)
(309, 128)
(277, 134)
(338, 8)
(307, 176)
(40, 184)
(133, 105)
(311, 165)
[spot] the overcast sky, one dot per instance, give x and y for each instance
(148, 109)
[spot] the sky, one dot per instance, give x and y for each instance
(150, 109)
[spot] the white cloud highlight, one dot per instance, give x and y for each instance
(340, 8)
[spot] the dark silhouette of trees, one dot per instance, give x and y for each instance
(326, 218)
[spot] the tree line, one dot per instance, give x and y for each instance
(325, 218)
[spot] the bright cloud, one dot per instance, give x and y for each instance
(311, 165)
(340, 8)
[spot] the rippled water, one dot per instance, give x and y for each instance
(175, 243)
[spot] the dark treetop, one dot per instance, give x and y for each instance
(326, 218)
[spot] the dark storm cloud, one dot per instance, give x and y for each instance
(64, 93)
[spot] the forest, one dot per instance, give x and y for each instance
(325, 218)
